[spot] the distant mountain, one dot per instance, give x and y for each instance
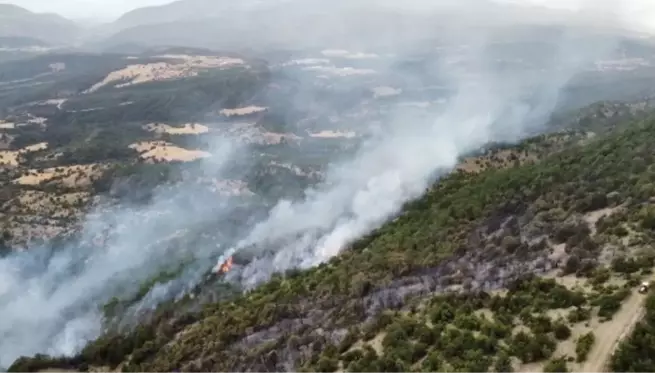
(220, 24)
(181, 10)
(19, 22)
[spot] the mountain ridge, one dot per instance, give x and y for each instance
(20, 22)
(177, 21)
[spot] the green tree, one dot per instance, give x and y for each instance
(556, 366)
(503, 363)
(583, 345)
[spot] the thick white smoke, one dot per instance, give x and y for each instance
(399, 164)
(51, 302)
(51, 305)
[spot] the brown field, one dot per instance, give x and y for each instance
(165, 152)
(32, 214)
(187, 129)
(242, 111)
(180, 66)
(11, 157)
(69, 176)
(46, 204)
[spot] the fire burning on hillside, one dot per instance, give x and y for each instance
(224, 267)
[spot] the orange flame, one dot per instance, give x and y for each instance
(226, 266)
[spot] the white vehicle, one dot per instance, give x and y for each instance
(644, 287)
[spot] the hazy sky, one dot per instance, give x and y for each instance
(639, 12)
(98, 9)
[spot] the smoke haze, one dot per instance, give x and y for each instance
(51, 299)
(634, 12)
(50, 302)
(398, 164)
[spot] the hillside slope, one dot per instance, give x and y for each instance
(519, 266)
(19, 22)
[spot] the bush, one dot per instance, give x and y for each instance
(511, 243)
(353, 355)
(419, 350)
(648, 219)
(540, 324)
(326, 364)
(623, 265)
(467, 321)
(600, 276)
(610, 304)
(556, 366)
(562, 331)
(583, 345)
(531, 349)
(569, 230)
(503, 363)
(143, 352)
(579, 314)
(572, 265)
(372, 329)
(432, 362)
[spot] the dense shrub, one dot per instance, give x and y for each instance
(562, 331)
(583, 345)
(556, 366)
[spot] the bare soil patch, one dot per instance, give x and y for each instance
(12, 157)
(166, 152)
(594, 216)
(179, 66)
(42, 203)
(248, 110)
(69, 176)
(186, 129)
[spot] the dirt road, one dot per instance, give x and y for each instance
(609, 334)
